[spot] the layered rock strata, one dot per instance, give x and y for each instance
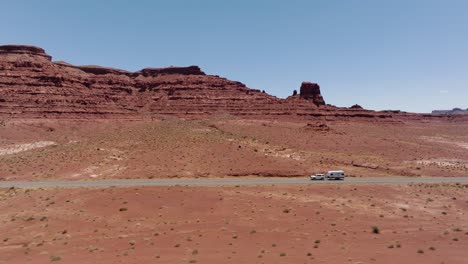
(32, 86)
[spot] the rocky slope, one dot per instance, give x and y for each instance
(33, 86)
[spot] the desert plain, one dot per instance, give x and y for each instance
(225, 145)
(365, 223)
(351, 223)
(61, 122)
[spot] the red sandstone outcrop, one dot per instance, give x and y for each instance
(23, 49)
(311, 91)
(321, 127)
(32, 86)
(356, 106)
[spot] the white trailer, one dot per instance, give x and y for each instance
(336, 175)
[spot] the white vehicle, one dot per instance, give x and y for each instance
(317, 177)
(335, 175)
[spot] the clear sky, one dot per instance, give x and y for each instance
(390, 54)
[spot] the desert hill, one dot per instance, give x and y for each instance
(454, 111)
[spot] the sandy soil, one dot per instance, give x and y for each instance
(424, 223)
(24, 147)
(228, 146)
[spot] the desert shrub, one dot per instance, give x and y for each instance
(55, 258)
(375, 230)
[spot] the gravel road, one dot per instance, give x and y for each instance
(227, 181)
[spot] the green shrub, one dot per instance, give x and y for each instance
(55, 258)
(375, 230)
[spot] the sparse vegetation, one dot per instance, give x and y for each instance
(160, 222)
(55, 258)
(375, 230)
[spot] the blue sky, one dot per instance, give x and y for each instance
(410, 55)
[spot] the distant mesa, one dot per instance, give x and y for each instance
(33, 86)
(454, 111)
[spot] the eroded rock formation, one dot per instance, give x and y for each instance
(33, 86)
(356, 106)
(311, 91)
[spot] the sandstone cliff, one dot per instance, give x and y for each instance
(33, 86)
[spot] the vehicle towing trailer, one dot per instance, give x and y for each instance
(336, 175)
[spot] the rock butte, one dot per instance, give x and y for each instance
(32, 86)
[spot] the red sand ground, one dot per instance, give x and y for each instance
(271, 224)
(229, 146)
(295, 224)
